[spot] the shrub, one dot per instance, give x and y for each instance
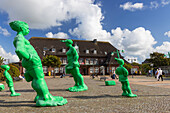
(14, 72)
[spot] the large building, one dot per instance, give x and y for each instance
(94, 56)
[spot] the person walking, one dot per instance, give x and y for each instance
(160, 74)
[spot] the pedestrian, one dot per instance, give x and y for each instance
(160, 74)
(156, 74)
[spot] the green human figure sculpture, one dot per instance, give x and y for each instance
(9, 80)
(32, 63)
(123, 73)
(73, 68)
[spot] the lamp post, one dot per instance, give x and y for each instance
(167, 55)
(7, 60)
(151, 69)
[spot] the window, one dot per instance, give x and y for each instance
(63, 50)
(64, 61)
(61, 69)
(45, 69)
(96, 69)
(105, 53)
(61, 60)
(76, 47)
(96, 61)
(45, 49)
(113, 69)
(53, 49)
(91, 61)
(56, 70)
(87, 51)
(91, 70)
(87, 61)
(95, 51)
(81, 61)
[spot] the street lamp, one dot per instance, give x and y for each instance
(167, 55)
(7, 60)
(151, 69)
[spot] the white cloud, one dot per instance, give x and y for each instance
(132, 7)
(4, 31)
(154, 4)
(5, 55)
(165, 2)
(47, 13)
(164, 48)
(167, 33)
(58, 35)
(137, 43)
(43, 14)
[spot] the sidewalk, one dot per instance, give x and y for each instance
(97, 99)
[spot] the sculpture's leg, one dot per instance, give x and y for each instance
(11, 88)
(13, 93)
(79, 81)
(130, 94)
(124, 89)
(44, 98)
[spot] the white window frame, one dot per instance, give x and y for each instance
(91, 61)
(91, 69)
(96, 69)
(87, 59)
(53, 49)
(64, 60)
(45, 69)
(87, 51)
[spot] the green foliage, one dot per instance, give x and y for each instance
(128, 66)
(145, 68)
(52, 61)
(158, 59)
(14, 72)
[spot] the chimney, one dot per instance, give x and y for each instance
(95, 41)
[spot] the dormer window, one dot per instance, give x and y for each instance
(76, 47)
(95, 51)
(63, 50)
(87, 51)
(53, 49)
(105, 53)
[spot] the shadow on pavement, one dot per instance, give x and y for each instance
(94, 97)
(14, 103)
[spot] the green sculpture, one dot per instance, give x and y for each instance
(32, 63)
(9, 80)
(73, 68)
(2, 87)
(123, 73)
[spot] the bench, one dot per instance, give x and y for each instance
(103, 78)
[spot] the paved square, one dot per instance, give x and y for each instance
(153, 96)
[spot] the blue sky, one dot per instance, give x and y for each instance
(139, 27)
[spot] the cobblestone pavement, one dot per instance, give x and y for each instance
(152, 97)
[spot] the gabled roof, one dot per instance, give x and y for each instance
(100, 46)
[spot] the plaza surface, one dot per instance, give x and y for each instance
(153, 97)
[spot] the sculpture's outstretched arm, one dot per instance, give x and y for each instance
(20, 48)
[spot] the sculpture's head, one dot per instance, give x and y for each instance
(68, 42)
(20, 26)
(120, 61)
(5, 67)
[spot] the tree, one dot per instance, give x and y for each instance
(158, 59)
(145, 68)
(128, 66)
(51, 61)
